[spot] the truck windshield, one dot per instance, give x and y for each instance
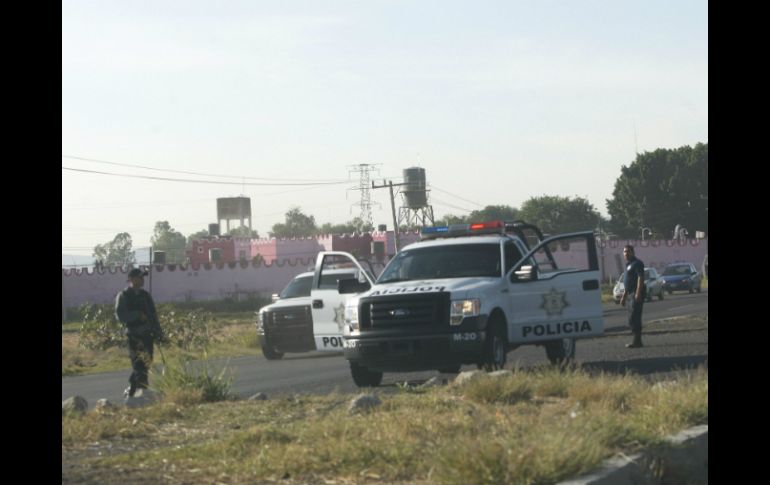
(298, 287)
(451, 261)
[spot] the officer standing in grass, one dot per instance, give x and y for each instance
(633, 280)
(136, 310)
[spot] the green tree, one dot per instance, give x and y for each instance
(450, 219)
(354, 225)
(488, 213)
(297, 225)
(244, 231)
(494, 213)
(557, 215)
(117, 252)
(196, 235)
(661, 189)
(165, 238)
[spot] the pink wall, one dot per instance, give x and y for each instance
(242, 244)
(184, 283)
(273, 249)
(213, 282)
(655, 253)
(264, 247)
(299, 248)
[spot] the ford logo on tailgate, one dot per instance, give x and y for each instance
(399, 313)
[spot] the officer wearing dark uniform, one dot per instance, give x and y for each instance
(136, 310)
(633, 280)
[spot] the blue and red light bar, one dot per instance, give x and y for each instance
(457, 230)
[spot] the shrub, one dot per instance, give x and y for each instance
(187, 382)
(188, 330)
(100, 329)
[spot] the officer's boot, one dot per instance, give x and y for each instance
(637, 341)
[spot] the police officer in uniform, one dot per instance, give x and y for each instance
(136, 310)
(633, 280)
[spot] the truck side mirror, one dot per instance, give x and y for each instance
(525, 273)
(274, 297)
(351, 285)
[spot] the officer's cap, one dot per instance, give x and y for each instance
(136, 272)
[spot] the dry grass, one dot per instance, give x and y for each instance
(232, 337)
(530, 427)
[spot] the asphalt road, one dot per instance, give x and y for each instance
(670, 345)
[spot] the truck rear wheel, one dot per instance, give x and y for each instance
(364, 377)
(269, 351)
(560, 352)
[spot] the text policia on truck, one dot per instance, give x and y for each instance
(463, 294)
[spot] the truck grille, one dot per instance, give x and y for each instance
(404, 310)
(290, 317)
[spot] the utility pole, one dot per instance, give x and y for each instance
(636, 145)
(390, 185)
(151, 249)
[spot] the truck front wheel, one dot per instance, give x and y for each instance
(364, 377)
(269, 351)
(494, 347)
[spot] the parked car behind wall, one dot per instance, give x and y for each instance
(681, 277)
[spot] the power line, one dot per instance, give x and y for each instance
(146, 203)
(446, 204)
(168, 179)
(182, 171)
(456, 196)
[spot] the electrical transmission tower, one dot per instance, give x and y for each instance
(364, 186)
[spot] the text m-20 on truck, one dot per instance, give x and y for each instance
(463, 294)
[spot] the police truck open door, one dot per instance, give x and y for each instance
(555, 293)
(328, 304)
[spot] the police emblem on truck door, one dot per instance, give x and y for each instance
(339, 316)
(554, 302)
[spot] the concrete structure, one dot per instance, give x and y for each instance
(201, 249)
(185, 283)
(681, 458)
(416, 210)
(233, 208)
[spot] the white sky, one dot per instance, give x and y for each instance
(498, 101)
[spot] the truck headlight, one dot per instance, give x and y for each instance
(463, 308)
(351, 317)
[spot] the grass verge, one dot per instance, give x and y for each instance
(233, 334)
(539, 426)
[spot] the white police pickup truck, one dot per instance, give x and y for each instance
(286, 325)
(464, 294)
